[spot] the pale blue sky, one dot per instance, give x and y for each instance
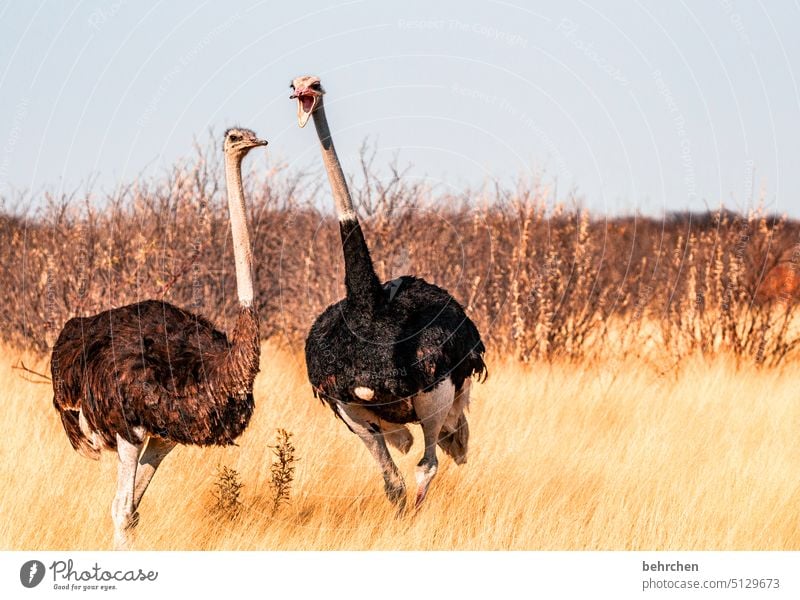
(639, 105)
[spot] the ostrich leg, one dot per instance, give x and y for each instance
(454, 438)
(432, 409)
(365, 425)
(152, 456)
(397, 435)
(123, 510)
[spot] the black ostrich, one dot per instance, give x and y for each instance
(152, 373)
(388, 355)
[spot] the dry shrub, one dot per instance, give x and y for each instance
(542, 281)
(282, 469)
(228, 488)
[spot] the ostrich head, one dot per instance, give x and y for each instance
(239, 141)
(307, 90)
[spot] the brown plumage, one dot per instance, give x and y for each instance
(153, 369)
(144, 377)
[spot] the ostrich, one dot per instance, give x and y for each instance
(151, 375)
(781, 284)
(388, 355)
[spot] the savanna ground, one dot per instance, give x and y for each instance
(603, 456)
(643, 389)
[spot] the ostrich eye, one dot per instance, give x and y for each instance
(315, 86)
(235, 138)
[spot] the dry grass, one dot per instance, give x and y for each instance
(539, 276)
(604, 456)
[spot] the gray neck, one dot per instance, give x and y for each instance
(360, 281)
(242, 253)
(341, 195)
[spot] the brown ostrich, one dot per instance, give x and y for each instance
(151, 375)
(781, 284)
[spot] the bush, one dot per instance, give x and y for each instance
(542, 282)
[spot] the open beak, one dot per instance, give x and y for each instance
(306, 103)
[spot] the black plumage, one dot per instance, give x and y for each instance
(391, 354)
(398, 339)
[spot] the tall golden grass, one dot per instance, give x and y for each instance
(615, 454)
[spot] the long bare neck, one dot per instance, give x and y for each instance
(240, 363)
(361, 282)
(242, 253)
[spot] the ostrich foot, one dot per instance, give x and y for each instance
(123, 542)
(396, 493)
(400, 511)
(425, 474)
(421, 493)
(124, 531)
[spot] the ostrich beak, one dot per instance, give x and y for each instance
(260, 142)
(306, 103)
